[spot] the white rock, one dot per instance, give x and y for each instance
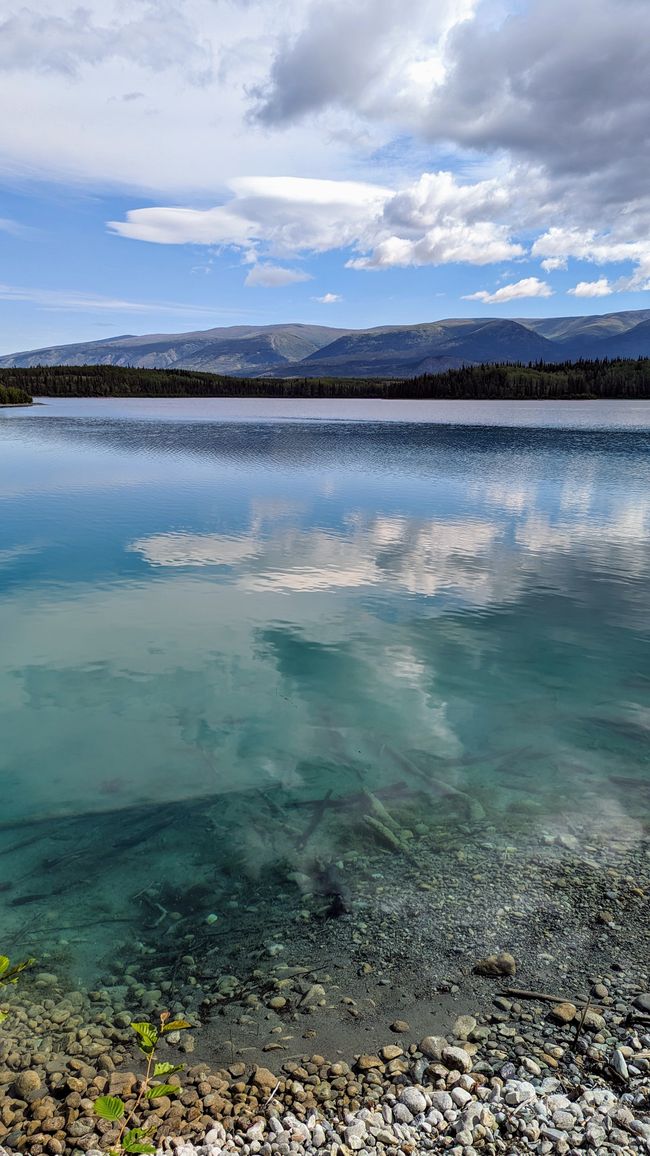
(414, 1100)
(457, 1059)
(463, 1026)
(432, 1046)
(518, 1091)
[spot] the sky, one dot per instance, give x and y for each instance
(171, 165)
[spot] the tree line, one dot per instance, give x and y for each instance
(616, 378)
(13, 395)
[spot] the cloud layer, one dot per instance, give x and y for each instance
(522, 114)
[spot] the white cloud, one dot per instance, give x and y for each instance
(274, 276)
(435, 221)
(560, 243)
(599, 288)
(550, 264)
(527, 287)
(290, 215)
(328, 298)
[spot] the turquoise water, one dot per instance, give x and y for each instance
(215, 614)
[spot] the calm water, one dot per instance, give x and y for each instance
(214, 613)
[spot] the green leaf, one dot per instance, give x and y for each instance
(165, 1069)
(148, 1036)
(3, 1017)
(135, 1141)
(4, 964)
(156, 1090)
(175, 1026)
(109, 1108)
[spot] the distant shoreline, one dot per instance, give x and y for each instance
(619, 379)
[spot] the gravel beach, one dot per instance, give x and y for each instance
(490, 994)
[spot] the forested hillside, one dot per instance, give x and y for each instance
(583, 379)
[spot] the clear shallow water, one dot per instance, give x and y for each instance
(213, 614)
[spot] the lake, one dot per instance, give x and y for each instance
(261, 661)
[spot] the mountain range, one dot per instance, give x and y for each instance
(296, 350)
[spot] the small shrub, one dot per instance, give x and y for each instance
(133, 1139)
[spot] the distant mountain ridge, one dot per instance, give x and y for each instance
(299, 350)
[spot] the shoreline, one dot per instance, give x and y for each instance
(263, 1008)
(523, 1073)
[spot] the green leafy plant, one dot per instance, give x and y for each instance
(131, 1138)
(9, 974)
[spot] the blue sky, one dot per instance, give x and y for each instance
(183, 164)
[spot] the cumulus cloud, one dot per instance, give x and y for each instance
(527, 287)
(599, 288)
(438, 220)
(435, 221)
(328, 298)
(274, 276)
(560, 243)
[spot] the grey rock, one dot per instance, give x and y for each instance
(617, 1062)
(442, 1101)
(564, 1120)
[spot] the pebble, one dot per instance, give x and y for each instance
(563, 1013)
(495, 965)
(400, 1026)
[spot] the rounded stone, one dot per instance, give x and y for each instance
(27, 1085)
(563, 1013)
(432, 1046)
(413, 1100)
(457, 1059)
(464, 1026)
